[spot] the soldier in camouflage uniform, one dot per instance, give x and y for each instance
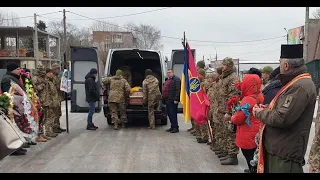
(151, 95)
(50, 102)
(39, 84)
(204, 127)
(57, 81)
(227, 91)
(217, 118)
(314, 156)
(126, 74)
(211, 79)
(119, 91)
(193, 130)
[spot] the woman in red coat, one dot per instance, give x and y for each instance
(247, 124)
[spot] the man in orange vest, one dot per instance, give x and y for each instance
(288, 117)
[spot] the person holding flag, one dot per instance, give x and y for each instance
(193, 97)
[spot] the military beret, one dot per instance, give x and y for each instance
(267, 69)
(148, 72)
(118, 72)
(201, 64)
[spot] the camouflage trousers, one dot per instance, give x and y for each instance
(114, 109)
(49, 119)
(218, 130)
(204, 131)
(229, 140)
(41, 122)
(197, 128)
(57, 114)
(151, 117)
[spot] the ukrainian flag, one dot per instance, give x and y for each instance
(185, 87)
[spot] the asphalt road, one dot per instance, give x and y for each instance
(132, 150)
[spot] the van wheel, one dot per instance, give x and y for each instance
(109, 121)
(164, 121)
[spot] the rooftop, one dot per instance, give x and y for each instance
(22, 32)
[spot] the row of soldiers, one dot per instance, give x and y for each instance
(219, 87)
(46, 83)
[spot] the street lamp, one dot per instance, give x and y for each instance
(287, 35)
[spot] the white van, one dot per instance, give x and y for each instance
(139, 60)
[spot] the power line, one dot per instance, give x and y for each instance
(207, 45)
(30, 16)
(169, 36)
(125, 15)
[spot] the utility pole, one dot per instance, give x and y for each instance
(287, 35)
(306, 29)
(65, 62)
(35, 41)
(65, 38)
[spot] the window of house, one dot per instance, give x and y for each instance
(114, 37)
(119, 37)
(107, 37)
(108, 46)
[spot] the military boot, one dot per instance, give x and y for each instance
(115, 127)
(46, 137)
(41, 139)
(52, 135)
(61, 129)
(124, 125)
(222, 155)
(56, 130)
(223, 158)
(202, 141)
(209, 143)
(215, 148)
(231, 160)
(190, 129)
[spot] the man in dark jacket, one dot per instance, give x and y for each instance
(92, 95)
(172, 98)
(273, 86)
(288, 121)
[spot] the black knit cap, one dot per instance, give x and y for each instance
(93, 71)
(12, 66)
(255, 71)
(148, 72)
(291, 51)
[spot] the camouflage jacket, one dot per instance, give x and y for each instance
(227, 89)
(57, 82)
(119, 89)
(151, 91)
(211, 93)
(314, 156)
(205, 85)
(39, 83)
(50, 96)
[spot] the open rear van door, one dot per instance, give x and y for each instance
(82, 60)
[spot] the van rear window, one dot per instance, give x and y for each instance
(178, 57)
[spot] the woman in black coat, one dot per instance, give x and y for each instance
(273, 87)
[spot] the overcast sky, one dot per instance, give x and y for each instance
(229, 24)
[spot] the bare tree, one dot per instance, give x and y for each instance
(147, 36)
(75, 36)
(9, 19)
(316, 14)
